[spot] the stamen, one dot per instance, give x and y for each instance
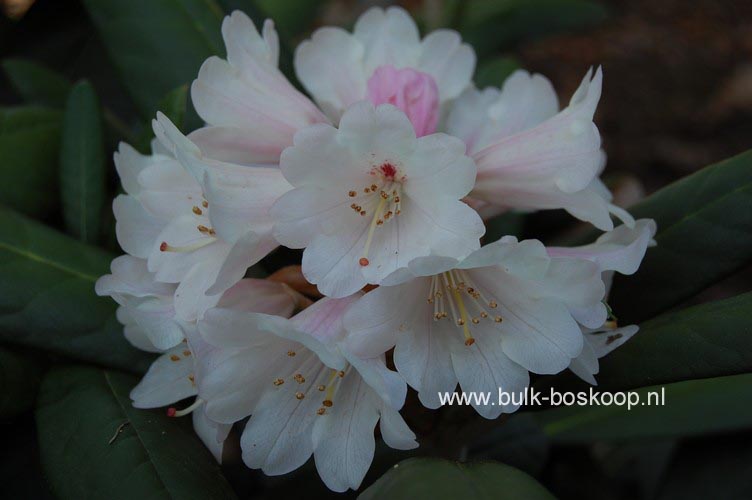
(165, 247)
(197, 210)
(173, 412)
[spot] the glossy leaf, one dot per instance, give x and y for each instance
(37, 84)
(708, 340)
(704, 234)
(157, 45)
(692, 407)
(94, 443)
(47, 298)
(20, 375)
(29, 144)
(82, 164)
(442, 479)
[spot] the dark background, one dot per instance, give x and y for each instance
(677, 97)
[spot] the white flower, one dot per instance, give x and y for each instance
(146, 306)
(370, 196)
(532, 156)
(251, 110)
(620, 250)
(173, 376)
(384, 60)
(304, 395)
(484, 321)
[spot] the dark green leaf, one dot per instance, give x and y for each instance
(157, 45)
(174, 105)
(20, 375)
(692, 407)
(489, 25)
(709, 340)
(29, 144)
(81, 410)
(441, 479)
(510, 223)
(704, 234)
(37, 84)
(493, 73)
(82, 164)
(47, 298)
(292, 17)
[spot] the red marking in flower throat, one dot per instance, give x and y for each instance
(171, 412)
(363, 262)
(163, 246)
(388, 170)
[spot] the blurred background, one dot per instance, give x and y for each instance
(677, 97)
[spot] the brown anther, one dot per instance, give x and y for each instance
(384, 195)
(212, 232)
(396, 199)
(363, 262)
(186, 353)
(192, 379)
(341, 373)
(470, 341)
(497, 319)
(363, 213)
(205, 204)
(202, 229)
(475, 321)
(321, 388)
(460, 322)
(492, 304)
(484, 314)
(299, 395)
(328, 403)
(398, 212)
(291, 353)
(352, 194)
(374, 187)
(299, 378)
(197, 211)
(367, 190)
(379, 222)
(321, 411)
(175, 357)
(437, 315)
(163, 246)
(278, 382)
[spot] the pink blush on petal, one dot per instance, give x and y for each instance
(414, 92)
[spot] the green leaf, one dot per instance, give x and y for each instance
(47, 298)
(20, 375)
(708, 340)
(441, 479)
(173, 105)
(692, 407)
(157, 45)
(704, 234)
(29, 144)
(82, 164)
(292, 17)
(37, 84)
(493, 73)
(489, 25)
(95, 444)
(510, 223)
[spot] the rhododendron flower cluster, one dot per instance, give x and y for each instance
(383, 176)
